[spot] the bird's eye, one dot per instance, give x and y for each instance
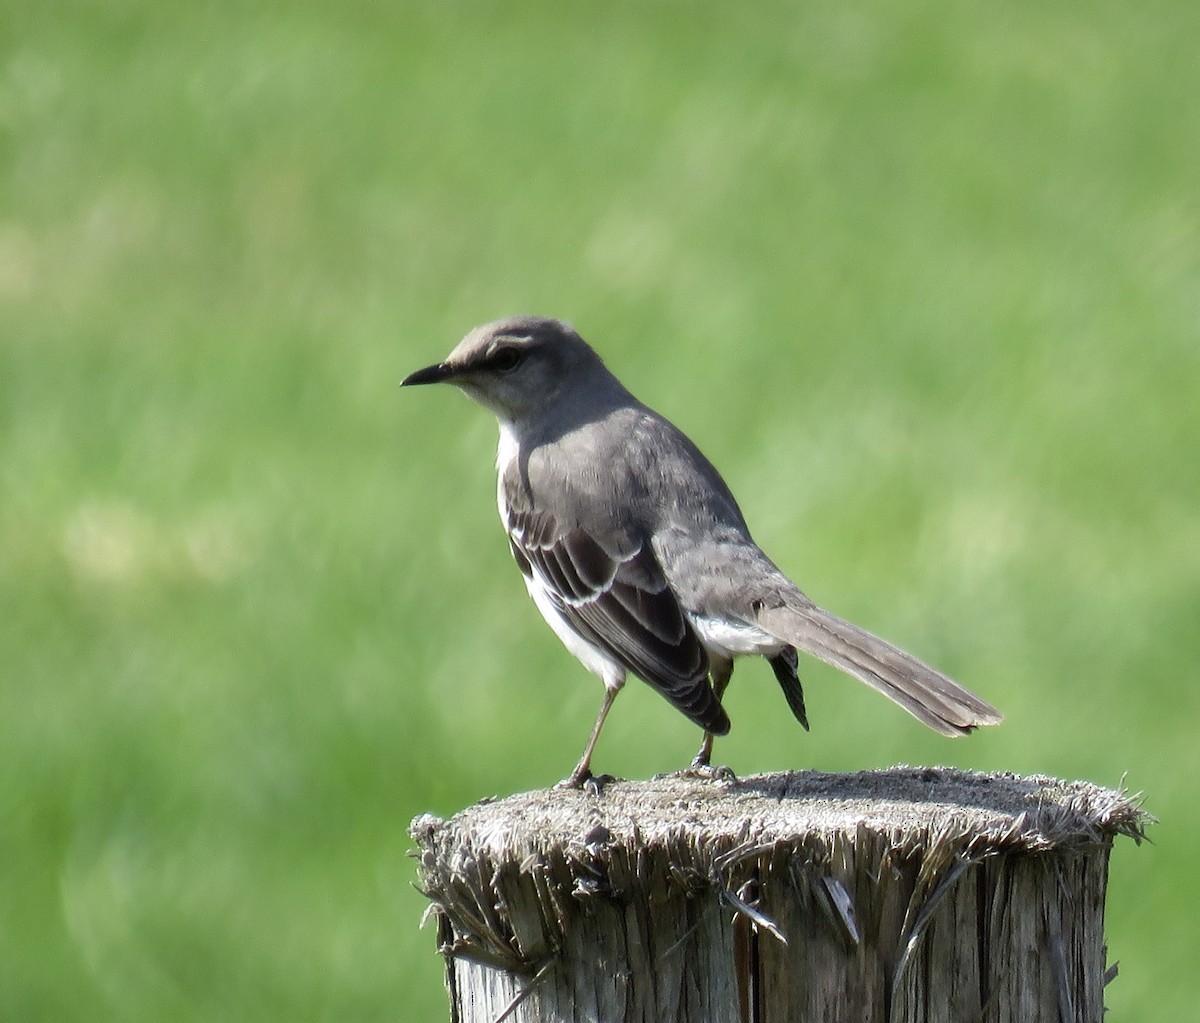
(506, 358)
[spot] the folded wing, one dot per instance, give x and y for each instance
(619, 600)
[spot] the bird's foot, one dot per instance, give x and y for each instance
(585, 781)
(705, 771)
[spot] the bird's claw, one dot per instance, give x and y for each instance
(707, 772)
(593, 784)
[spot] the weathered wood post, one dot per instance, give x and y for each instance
(906, 894)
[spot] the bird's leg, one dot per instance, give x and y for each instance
(722, 672)
(702, 760)
(583, 770)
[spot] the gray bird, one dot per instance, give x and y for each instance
(636, 553)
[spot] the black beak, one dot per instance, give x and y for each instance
(428, 375)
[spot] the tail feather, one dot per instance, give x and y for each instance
(784, 665)
(927, 694)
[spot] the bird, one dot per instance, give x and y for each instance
(636, 553)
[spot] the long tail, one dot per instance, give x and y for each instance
(927, 694)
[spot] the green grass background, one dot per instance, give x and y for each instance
(921, 278)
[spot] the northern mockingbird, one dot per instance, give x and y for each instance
(636, 553)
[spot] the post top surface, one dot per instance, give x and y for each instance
(914, 808)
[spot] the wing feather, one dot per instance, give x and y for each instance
(621, 602)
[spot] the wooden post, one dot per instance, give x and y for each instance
(905, 894)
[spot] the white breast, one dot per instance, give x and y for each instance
(506, 454)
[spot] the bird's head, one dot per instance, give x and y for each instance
(517, 367)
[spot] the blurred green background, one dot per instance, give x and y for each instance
(923, 280)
